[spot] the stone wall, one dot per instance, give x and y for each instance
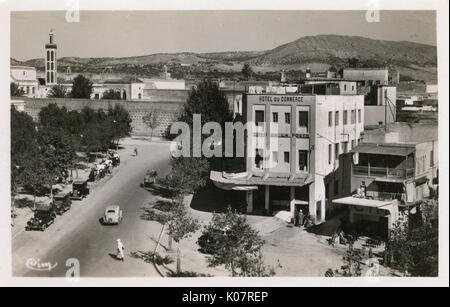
(168, 110)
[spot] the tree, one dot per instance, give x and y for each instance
(55, 141)
(413, 246)
(187, 175)
(206, 99)
(247, 71)
(23, 147)
(235, 244)
(57, 91)
(81, 88)
(35, 175)
(15, 90)
(112, 95)
(353, 62)
(181, 225)
(351, 266)
(152, 120)
(120, 121)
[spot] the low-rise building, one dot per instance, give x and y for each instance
(25, 79)
(367, 76)
(389, 172)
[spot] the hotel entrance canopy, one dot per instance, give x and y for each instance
(246, 182)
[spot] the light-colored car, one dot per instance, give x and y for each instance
(113, 215)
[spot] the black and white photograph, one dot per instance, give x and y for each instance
(184, 145)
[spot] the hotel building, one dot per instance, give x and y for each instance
(286, 167)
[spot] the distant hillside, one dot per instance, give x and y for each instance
(415, 60)
(336, 48)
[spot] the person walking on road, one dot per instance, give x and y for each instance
(120, 249)
(135, 151)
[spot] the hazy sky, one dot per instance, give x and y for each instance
(120, 33)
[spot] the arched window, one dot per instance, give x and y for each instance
(53, 55)
(52, 76)
(48, 55)
(124, 95)
(48, 77)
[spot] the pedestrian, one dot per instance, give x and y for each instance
(296, 217)
(362, 189)
(135, 151)
(301, 217)
(120, 249)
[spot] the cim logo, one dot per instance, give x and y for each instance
(38, 265)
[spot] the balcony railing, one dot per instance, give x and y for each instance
(386, 172)
(385, 195)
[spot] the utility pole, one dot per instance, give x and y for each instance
(385, 111)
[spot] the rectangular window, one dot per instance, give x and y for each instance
(303, 160)
(353, 143)
(287, 118)
(359, 116)
(275, 156)
(336, 151)
(286, 157)
(345, 117)
(336, 118)
(353, 117)
(275, 117)
(303, 119)
(431, 158)
(330, 119)
(330, 153)
(345, 87)
(32, 90)
(259, 118)
(353, 88)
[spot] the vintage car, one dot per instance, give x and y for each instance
(149, 179)
(113, 215)
(114, 157)
(62, 202)
(93, 156)
(79, 189)
(101, 169)
(44, 216)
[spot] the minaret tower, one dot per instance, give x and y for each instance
(50, 60)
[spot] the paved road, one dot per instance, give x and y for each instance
(78, 233)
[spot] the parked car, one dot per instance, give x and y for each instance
(93, 156)
(44, 216)
(79, 189)
(62, 202)
(114, 157)
(113, 215)
(149, 179)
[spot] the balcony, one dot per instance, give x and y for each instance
(384, 196)
(383, 172)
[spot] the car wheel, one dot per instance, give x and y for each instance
(43, 227)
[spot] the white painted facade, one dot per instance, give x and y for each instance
(25, 79)
(310, 128)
